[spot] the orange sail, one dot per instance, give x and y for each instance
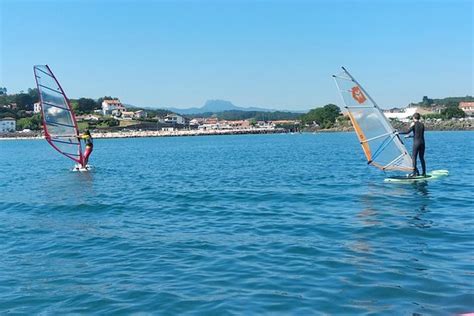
(380, 142)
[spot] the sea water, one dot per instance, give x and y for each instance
(249, 224)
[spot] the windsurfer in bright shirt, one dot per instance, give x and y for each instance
(87, 137)
(418, 130)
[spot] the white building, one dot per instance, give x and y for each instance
(87, 117)
(37, 107)
(112, 106)
(265, 124)
(168, 129)
(400, 114)
(7, 124)
(467, 107)
(175, 119)
(406, 114)
(194, 122)
(140, 114)
(206, 126)
(127, 115)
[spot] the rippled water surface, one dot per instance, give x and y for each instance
(275, 224)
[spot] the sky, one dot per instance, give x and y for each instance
(271, 54)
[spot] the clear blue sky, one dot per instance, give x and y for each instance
(274, 54)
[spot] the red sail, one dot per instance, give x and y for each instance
(60, 126)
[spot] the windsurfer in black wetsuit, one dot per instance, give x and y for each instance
(418, 130)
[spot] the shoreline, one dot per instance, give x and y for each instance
(139, 134)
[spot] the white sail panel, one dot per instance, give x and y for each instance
(381, 143)
(59, 122)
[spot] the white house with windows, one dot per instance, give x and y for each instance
(467, 107)
(7, 124)
(130, 115)
(112, 107)
(126, 115)
(140, 114)
(168, 129)
(37, 107)
(174, 119)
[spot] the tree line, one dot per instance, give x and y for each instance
(324, 117)
(448, 102)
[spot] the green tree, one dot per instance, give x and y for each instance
(34, 94)
(452, 112)
(86, 105)
(426, 101)
(452, 103)
(32, 122)
(24, 101)
(432, 116)
(74, 105)
(5, 112)
(324, 117)
(108, 122)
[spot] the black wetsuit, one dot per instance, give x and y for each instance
(418, 130)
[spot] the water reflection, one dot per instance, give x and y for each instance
(67, 188)
(366, 223)
(368, 214)
(382, 206)
(421, 187)
(422, 201)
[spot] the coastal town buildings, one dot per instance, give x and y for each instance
(406, 114)
(467, 107)
(112, 107)
(215, 124)
(194, 123)
(174, 119)
(87, 117)
(242, 124)
(265, 124)
(11, 106)
(209, 126)
(7, 124)
(131, 115)
(140, 114)
(126, 115)
(172, 122)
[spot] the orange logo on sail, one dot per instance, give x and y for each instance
(358, 95)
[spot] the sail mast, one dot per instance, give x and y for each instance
(379, 140)
(370, 98)
(59, 122)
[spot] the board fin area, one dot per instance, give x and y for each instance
(80, 168)
(435, 174)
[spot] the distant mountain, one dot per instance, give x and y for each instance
(216, 106)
